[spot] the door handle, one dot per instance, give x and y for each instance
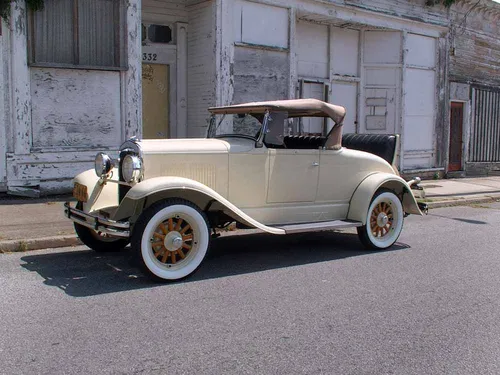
(315, 164)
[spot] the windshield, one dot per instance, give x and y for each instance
(238, 125)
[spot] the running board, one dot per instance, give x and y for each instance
(321, 226)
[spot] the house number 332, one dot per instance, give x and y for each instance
(149, 56)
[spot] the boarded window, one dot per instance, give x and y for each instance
(74, 33)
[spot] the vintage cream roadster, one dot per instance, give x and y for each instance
(167, 197)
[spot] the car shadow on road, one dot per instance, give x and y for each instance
(86, 273)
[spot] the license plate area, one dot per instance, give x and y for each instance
(80, 192)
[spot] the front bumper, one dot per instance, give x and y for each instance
(98, 223)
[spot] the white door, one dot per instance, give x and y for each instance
(159, 99)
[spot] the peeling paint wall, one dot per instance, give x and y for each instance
(201, 67)
(75, 108)
(62, 117)
(4, 101)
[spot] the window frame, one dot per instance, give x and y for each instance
(122, 23)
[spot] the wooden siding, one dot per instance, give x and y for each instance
(164, 12)
(201, 67)
(476, 40)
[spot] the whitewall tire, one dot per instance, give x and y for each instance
(171, 239)
(384, 221)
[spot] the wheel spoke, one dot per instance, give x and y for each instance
(170, 225)
(181, 254)
(186, 246)
(160, 252)
(188, 237)
(179, 223)
(157, 243)
(163, 228)
(165, 256)
(185, 229)
(172, 257)
(158, 235)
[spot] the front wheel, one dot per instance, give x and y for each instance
(99, 242)
(384, 221)
(171, 239)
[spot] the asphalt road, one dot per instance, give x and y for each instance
(305, 304)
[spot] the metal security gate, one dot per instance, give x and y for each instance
(485, 135)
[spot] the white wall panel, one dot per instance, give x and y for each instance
(260, 24)
(419, 106)
(382, 47)
(312, 43)
(421, 50)
(345, 51)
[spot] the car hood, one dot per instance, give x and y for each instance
(183, 146)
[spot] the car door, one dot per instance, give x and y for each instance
(293, 176)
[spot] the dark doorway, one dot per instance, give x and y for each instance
(456, 136)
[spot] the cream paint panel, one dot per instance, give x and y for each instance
(75, 108)
(342, 170)
(155, 101)
(312, 54)
(293, 175)
(346, 95)
(260, 24)
(382, 47)
(421, 51)
(345, 51)
(100, 195)
(207, 168)
(248, 176)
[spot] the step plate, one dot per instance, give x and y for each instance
(321, 226)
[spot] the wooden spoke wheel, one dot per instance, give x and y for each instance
(384, 221)
(171, 238)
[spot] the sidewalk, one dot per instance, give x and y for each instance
(31, 224)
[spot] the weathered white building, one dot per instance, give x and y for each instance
(81, 77)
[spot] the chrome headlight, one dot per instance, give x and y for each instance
(131, 168)
(103, 164)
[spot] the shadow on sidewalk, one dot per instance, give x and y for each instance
(86, 273)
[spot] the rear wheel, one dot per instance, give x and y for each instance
(171, 239)
(384, 221)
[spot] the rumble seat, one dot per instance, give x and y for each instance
(383, 145)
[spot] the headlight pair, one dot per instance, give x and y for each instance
(131, 167)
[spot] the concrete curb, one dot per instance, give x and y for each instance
(39, 243)
(462, 201)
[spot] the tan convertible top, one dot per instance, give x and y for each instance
(294, 107)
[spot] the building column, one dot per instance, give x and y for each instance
(132, 78)
(20, 79)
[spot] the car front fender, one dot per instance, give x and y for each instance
(147, 192)
(361, 199)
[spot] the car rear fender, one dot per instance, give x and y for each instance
(361, 199)
(144, 194)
